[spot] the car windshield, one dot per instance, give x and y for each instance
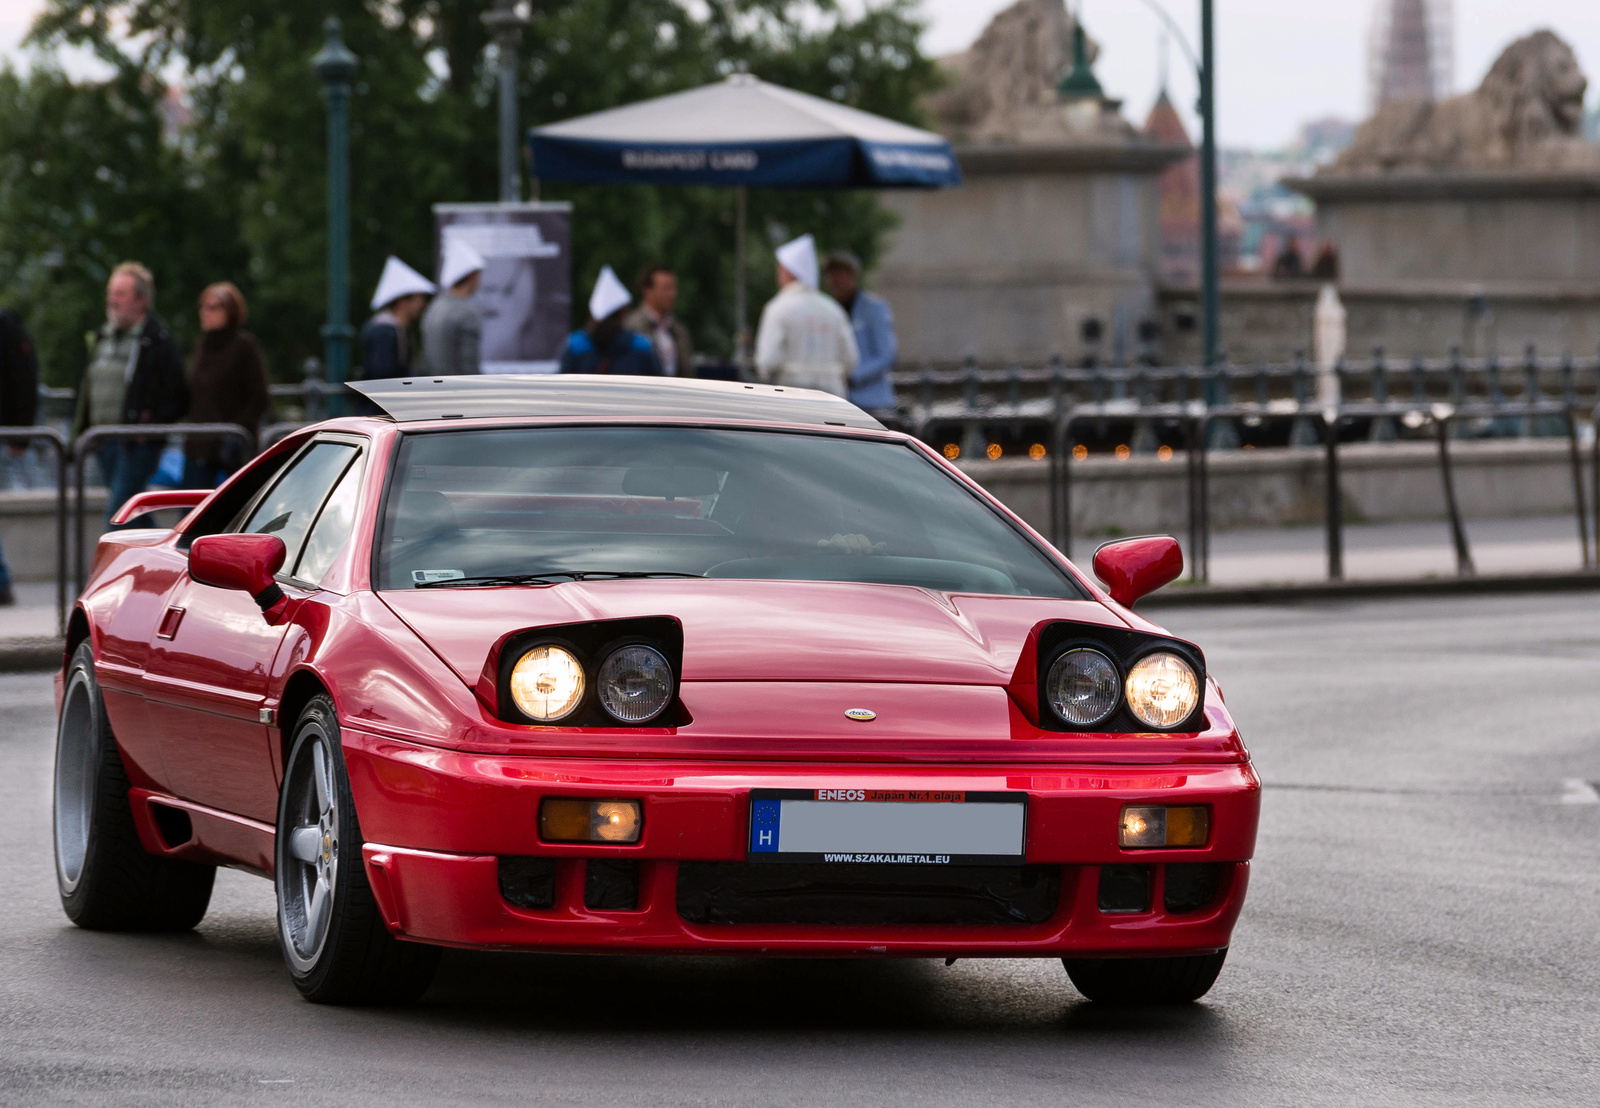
(494, 506)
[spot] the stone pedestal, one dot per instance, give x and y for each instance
(1046, 249)
(1488, 261)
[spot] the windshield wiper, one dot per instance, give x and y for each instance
(491, 579)
(548, 577)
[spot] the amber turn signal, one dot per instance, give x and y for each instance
(1147, 828)
(574, 820)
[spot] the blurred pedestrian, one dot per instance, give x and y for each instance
(19, 407)
(135, 375)
(804, 338)
(606, 345)
(872, 321)
(452, 327)
(1289, 263)
(386, 338)
(227, 384)
(654, 319)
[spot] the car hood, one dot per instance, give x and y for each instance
(739, 630)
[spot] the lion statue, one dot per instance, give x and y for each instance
(1526, 115)
(1003, 89)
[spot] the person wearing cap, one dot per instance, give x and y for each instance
(872, 321)
(385, 340)
(804, 338)
(605, 345)
(452, 328)
(654, 318)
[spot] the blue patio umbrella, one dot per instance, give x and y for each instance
(737, 133)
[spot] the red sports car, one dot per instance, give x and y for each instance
(634, 664)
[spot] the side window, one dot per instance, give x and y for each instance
(290, 506)
(223, 512)
(332, 529)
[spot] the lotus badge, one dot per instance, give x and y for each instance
(861, 714)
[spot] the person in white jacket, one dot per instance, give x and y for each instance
(804, 339)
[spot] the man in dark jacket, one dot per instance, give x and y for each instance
(19, 403)
(134, 376)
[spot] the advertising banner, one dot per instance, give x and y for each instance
(525, 295)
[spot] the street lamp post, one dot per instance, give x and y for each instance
(336, 66)
(1204, 69)
(1208, 187)
(505, 23)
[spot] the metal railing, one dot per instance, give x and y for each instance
(124, 432)
(1195, 421)
(1379, 379)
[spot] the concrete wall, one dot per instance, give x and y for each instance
(28, 530)
(1268, 488)
(1268, 321)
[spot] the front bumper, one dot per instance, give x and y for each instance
(438, 823)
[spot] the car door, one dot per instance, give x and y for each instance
(207, 673)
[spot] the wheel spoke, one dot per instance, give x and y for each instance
(316, 913)
(305, 843)
(319, 774)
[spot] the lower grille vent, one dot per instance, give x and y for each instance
(778, 893)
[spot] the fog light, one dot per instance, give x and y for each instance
(1146, 828)
(572, 820)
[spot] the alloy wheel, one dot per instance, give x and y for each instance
(308, 870)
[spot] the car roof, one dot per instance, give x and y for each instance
(413, 399)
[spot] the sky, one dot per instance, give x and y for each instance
(1279, 62)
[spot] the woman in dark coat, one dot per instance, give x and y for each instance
(227, 384)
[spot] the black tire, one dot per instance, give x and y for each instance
(335, 943)
(1131, 981)
(107, 880)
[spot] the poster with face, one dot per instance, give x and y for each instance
(525, 294)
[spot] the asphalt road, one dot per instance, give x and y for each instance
(1422, 930)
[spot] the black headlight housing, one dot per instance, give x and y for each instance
(592, 643)
(1124, 647)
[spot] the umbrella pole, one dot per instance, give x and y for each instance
(741, 313)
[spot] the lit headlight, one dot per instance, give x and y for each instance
(1082, 687)
(635, 684)
(547, 683)
(1162, 690)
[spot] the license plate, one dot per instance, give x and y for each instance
(887, 827)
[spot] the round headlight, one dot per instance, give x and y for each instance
(635, 684)
(547, 683)
(1162, 689)
(1082, 687)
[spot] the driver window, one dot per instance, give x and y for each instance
(289, 509)
(332, 529)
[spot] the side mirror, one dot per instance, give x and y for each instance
(248, 563)
(1132, 568)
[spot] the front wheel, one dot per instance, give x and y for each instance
(333, 937)
(1131, 981)
(107, 881)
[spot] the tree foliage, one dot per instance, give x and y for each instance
(91, 173)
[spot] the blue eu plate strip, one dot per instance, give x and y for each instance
(764, 817)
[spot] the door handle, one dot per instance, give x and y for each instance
(169, 623)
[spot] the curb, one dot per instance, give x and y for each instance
(1195, 596)
(30, 655)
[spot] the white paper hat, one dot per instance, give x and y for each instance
(399, 280)
(460, 262)
(800, 258)
(609, 295)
